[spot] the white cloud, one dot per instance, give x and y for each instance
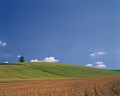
(100, 65)
(50, 59)
(6, 62)
(97, 53)
(89, 65)
(97, 65)
(3, 43)
(19, 56)
(47, 59)
(35, 60)
(101, 53)
(92, 55)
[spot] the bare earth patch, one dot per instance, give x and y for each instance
(104, 86)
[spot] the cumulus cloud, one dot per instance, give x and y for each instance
(3, 43)
(97, 53)
(47, 59)
(34, 60)
(18, 56)
(89, 65)
(100, 65)
(6, 62)
(93, 55)
(101, 53)
(97, 65)
(50, 59)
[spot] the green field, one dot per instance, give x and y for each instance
(33, 71)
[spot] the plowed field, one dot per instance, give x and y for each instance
(103, 86)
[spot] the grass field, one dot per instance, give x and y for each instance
(33, 71)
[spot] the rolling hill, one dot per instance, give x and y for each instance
(34, 71)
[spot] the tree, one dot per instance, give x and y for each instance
(21, 59)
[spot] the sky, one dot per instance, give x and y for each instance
(82, 32)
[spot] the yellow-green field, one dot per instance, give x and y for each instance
(34, 71)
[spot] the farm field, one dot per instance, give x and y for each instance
(101, 86)
(42, 71)
(54, 79)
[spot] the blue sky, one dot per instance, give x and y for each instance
(68, 30)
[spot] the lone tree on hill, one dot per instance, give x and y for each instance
(21, 59)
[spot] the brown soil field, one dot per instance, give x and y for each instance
(102, 86)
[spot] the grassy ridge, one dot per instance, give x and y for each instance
(19, 71)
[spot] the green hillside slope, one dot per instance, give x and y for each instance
(18, 71)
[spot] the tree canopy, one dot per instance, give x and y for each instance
(21, 59)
